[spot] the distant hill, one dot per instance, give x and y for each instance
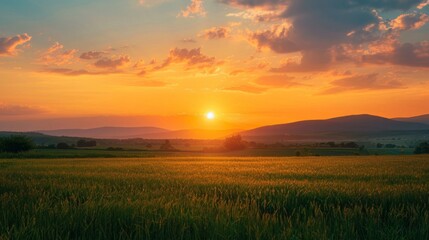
(417, 119)
(107, 132)
(192, 134)
(140, 132)
(355, 124)
(42, 139)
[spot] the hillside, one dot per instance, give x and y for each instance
(354, 124)
(417, 119)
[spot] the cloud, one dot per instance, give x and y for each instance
(15, 110)
(189, 57)
(410, 21)
(276, 81)
(92, 55)
(247, 88)
(55, 55)
(196, 8)
(423, 4)
(275, 39)
(112, 63)
(216, 33)
(257, 15)
(74, 72)
(318, 29)
(8, 45)
(407, 54)
(362, 82)
(188, 40)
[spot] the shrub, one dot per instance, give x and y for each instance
(16, 144)
(423, 148)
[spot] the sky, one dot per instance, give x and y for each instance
(167, 63)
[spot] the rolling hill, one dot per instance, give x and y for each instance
(417, 119)
(345, 127)
(347, 124)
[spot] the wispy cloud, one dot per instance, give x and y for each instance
(57, 55)
(247, 88)
(195, 8)
(92, 55)
(15, 110)
(8, 45)
(112, 63)
(216, 33)
(362, 82)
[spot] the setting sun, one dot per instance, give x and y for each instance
(210, 115)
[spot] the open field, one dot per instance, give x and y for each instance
(138, 153)
(362, 197)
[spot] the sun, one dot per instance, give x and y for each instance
(210, 115)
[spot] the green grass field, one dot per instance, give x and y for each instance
(362, 197)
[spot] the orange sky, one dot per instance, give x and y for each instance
(252, 63)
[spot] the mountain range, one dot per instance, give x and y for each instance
(345, 126)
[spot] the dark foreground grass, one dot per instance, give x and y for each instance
(384, 197)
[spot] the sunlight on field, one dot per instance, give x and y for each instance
(212, 198)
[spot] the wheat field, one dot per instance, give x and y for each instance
(371, 197)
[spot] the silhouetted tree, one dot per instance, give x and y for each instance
(423, 148)
(16, 144)
(350, 145)
(85, 143)
(379, 145)
(166, 146)
(234, 143)
(62, 145)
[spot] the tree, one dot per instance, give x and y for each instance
(423, 148)
(16, 144)
(166, 146)
(85, 143)
(234, 143)
(63, 145)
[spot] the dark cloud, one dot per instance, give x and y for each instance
(362, 82)
(92, 55)
(8, 45)
(380, 4)
(412, 55)
(319, 28)
(15, 110)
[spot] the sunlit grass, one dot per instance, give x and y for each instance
(385, 197)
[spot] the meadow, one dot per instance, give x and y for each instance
(343, 197)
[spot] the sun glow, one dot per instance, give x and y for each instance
(210, 115)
